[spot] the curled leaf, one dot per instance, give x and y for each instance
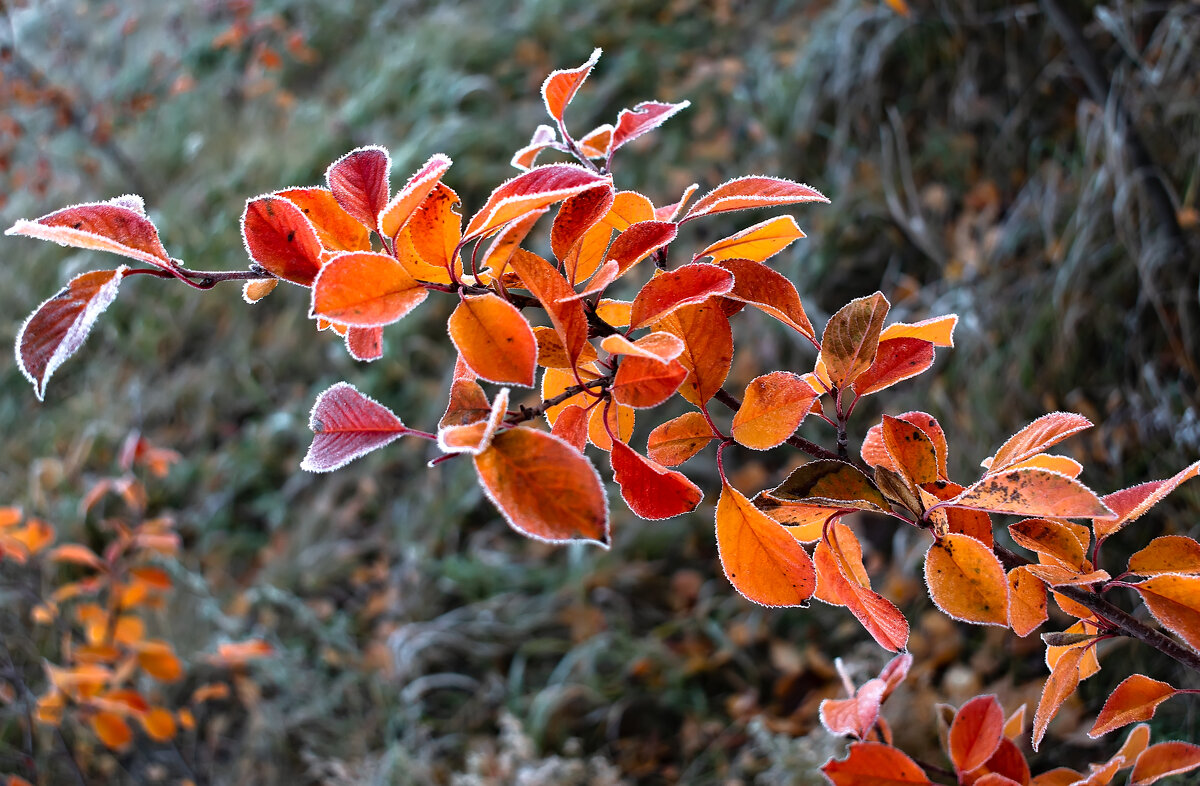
(359, 182)
(851, 338)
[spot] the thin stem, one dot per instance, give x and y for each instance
(798, 442)
(529, 413)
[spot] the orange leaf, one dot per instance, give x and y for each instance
(752, 191)
(526, 157)
(677, 440)
(684, 286)
(708, 348)
(964, 521)
(857, 715)
(645, 117)
(572, 427)
(1006, 763)
(1061, 464)
(1015, 723)
(912, 452)
(364, 289)
(159, 661)
(1085, 632)
(1133, 701)
(532, 190)
(1052, 538)
(1057, 576)
(577, 215)
(254, 291)
(1174, 601)
(494, 339)
(837, 566)
(552, 353)
(647, 382)
(758, 243)
(874, 452)
(620, 420)
(842, 571)
(1168, 554)
(336, 229)
(874, 764)
(238, 653)
(544, 488)
(552, 290)
(407, 200)
(585, 256)
(761, 560)
(650, 490)
(1032, 492)
(507, 241)
(159, 724)
(560, 87)
(281, 239)
(468, 404)
(1129, 504)
(597, 143)
(1036, 437)
(937, 330)
(769, 291)
(975, 733)
(772, 409)
(966, 581)
(1165, 758)
(614, 312)
(1137, 741)
(628, 208)
(60, 325)
(359, 182)
(1027, 601)
(118, 226)
(896, 360)
(347, 424)
(1064, 678)
(435, 229)
(474, 437)
(851, 338)
(832, 484)
(652, 346)
(112, 730)
(76, 554)
(629, 248)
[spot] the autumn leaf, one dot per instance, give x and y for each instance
(661, 346)
(1036, 437)
(643, 382)
(1064, 678)
(964, 521)
(532, 190)
(281, 239)
(597, 143)
(966, 581)
(1167, 554)
(685, 286)
(857, 715)
(118, 226)
(752, 191)
(467, 404)
(832, 484)
(844, 579)
(159, 660)
(407, 200)
(552, 291)
(896, 359)
(474, 437)
(1052, 538)
(577, 215)
(364, 289)
(1165, 758)
(572, 426)
(628, 208)
(939, 331)
(347, 424)
(336, 229)
(494, 339)
(1129, 504)
(544, 488)
(851, 338)
(772, 409)
(365, 343)
(911, 451)
(543, 136)
(159, 724)
(112, 730)
(359, 182)
(643, 118)
(1032, 492)
(435, 229)
(770, 292)
(560, 87)
(677, 440)
(650, 490)
(1133, 701)
(757, 243)
(976, 733)
(552, 353)
(1174, 601)
(874, 452)
(762, 561)
(1026, 601)
(630, 247)
(874, 764)
(507, 242)
(708, 349)
(58, 327)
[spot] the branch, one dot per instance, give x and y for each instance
(798, 442)
(529, 413)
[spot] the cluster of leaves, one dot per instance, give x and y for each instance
(369, 257)
(107, 673)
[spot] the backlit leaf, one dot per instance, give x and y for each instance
(653, 346)
(347, 424)
(976, 733)
(577, 215)
(435, 228)
(875, 453)
(543, 137)
(851, 338)
(544, 488)
(552, 290)
(1165, 758)
(110, 226)
(911, 451)
(1036, 437)
(507, 241)
(761, 560)
(628, 208)
(364, 343)
(494, 339)
(1133, 701)
(585, 257)
(757, 243)
(896, 359)
(769, 291)
(1061, 464)
(560, 87)
(1174, 601)
(643, 118)
(1032, 492)
(650, 490)
(281, 239)
(677, 440)
(630, 247)
(336, 229)
(966, 581)
(874, 764)
(645, 382)
(614, 312)
(532, 190)
(59, 326)
(938, 330)
(684, 286)
(1015, 725)
(833, 484)
(1167, 554)
(359, 182)
(772, 409)
(364, 289)
(708, 352)
(597, 143)
(844, 577)
(753, 191)
(618, 419)
(1129, 504)
(572, 427)
(404, 204)
(1026, 601)
(857, 715)
(552, 353)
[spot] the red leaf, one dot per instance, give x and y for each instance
(975, 733)
(683, 286)
(874, 764)
(59, 326)
(1165, 758)
(364, 289)
(1036, 437)
(633, 245)
(650, 490)
(764, 288)
(336, 229)
(553, 292)
(572, 426)
(544, 488)
(761, 560)
(560, 87)
(896, 360)
(365, 343)
(118, 226)
(577, 215)
(281, 239)
(533, 190)
(359, 182)
(645, 117)
(347, 424)
(911, 451)
(708, 348)
(752, 191)
(400, 209)
(1129, 504)
(1133, 701)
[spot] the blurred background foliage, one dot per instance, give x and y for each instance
(420, 641)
